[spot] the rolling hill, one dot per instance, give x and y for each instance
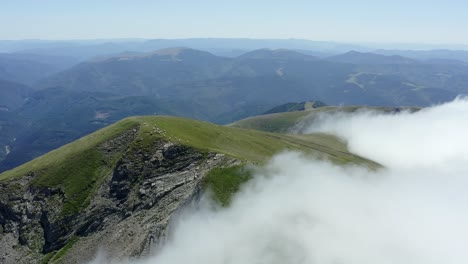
(131, 177)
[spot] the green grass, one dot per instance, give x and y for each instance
(63, 250)
(54, 256)
(309, 106)
(75, 167)
(245, 144)
(279, 122)
(283, 122)
(68, 151)
(77, 175)
(47, 258)
(225, 182)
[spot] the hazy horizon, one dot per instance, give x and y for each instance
(208, 43)
(362, 21)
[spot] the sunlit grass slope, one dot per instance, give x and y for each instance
(79, 166)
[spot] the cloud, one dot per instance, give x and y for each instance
(298, 210)
(431, 136)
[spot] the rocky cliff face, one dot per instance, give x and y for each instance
(126, 216)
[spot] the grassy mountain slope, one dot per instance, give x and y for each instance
(78, 166)
(137, 171)
(286, 121)
(277, 122)
(108, 174)
(293, 122)
(245, 144)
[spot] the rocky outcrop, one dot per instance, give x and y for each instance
(24, 211)
(127, 215)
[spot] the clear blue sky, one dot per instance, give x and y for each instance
(408, 21)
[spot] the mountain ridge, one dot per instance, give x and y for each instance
(135, 175)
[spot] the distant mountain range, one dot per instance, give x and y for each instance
(231, 47)
(269, 76)
(49, 100)
(228, 47)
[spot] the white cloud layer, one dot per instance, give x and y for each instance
(298, 211)
(430, 137)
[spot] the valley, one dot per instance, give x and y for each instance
(63, 106)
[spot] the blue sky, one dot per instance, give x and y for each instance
(410, 21)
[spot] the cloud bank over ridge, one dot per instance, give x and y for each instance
(298, 210)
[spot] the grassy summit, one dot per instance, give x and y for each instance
(250, 145)
(78, 168)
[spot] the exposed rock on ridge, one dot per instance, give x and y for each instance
(126, 216)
